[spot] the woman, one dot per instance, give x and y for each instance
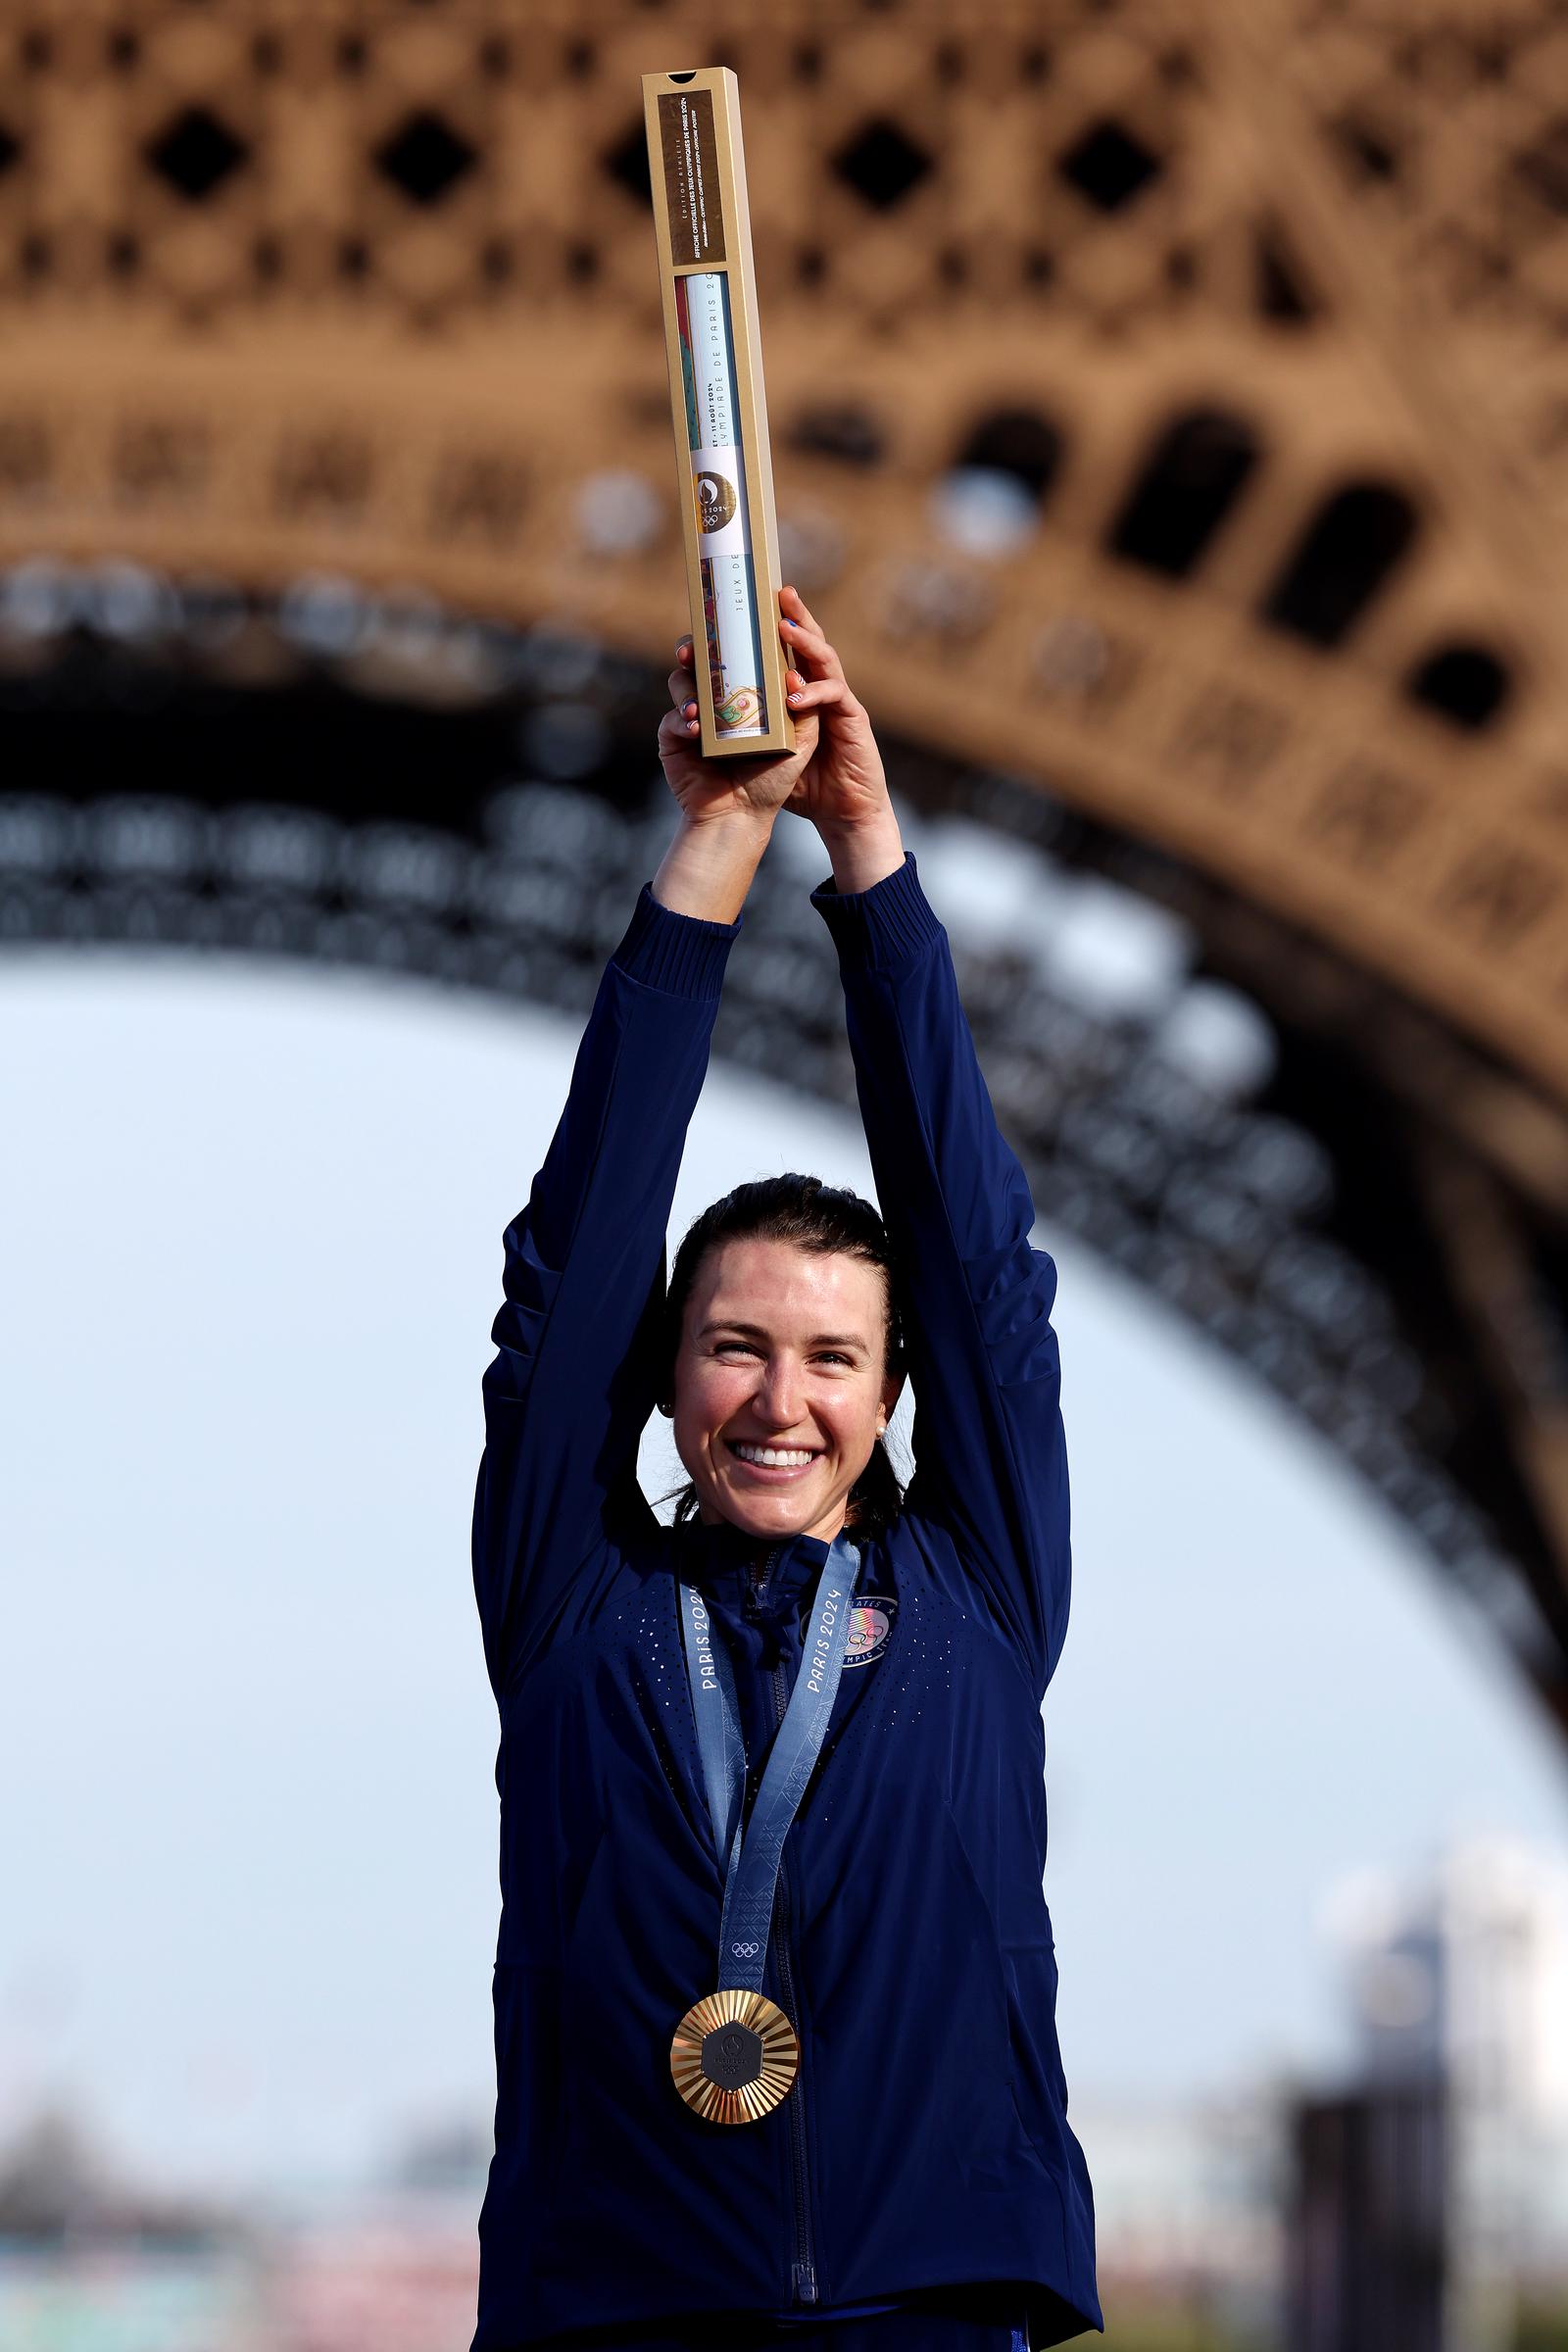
(864, 2145)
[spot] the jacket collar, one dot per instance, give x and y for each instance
(707, 1556)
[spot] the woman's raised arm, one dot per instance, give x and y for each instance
(576, 1368)
(574, 1375)
(991, 1462)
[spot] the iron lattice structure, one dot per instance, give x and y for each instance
(1256, 314)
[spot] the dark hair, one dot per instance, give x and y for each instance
(813, 1216)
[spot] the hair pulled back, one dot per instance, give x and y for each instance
(826, 1219)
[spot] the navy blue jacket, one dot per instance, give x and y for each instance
(925, 2141)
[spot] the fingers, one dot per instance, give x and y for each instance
(680, 682)
(825, 693)
(816, 679)
(676, 733)
(802, 636)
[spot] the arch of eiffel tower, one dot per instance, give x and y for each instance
(340, 569)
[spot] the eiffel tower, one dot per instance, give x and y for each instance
(1170, 414)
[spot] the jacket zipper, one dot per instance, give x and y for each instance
(803, 2271)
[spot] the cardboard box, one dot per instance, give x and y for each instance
(715, 354)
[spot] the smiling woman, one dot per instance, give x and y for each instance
(787, 1358)
(685, 1767)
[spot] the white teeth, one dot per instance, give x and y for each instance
(774, 1457)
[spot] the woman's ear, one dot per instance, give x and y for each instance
(891, 1390)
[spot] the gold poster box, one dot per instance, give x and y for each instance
(715, 354)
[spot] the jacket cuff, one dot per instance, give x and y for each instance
(681, 953)
(880, 927)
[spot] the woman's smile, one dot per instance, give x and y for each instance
(772, 1465)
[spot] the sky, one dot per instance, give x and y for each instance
(247, 1812)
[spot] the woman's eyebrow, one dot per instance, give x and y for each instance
(755, 1331)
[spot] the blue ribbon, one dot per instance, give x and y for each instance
(750, 1875)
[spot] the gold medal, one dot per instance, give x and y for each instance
(734, 2056)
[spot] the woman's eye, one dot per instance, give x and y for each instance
(734, 1347)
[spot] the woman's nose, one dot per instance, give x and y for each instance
(778, 1399)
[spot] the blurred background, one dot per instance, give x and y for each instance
(1171, 418)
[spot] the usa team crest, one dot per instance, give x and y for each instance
(870, 1624)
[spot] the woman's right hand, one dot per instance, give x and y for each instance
(727, 810)
(732, 787)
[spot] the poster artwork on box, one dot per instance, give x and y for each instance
(690, 178)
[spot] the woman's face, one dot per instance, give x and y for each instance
(782, 1354)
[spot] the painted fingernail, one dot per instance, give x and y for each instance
(797, 697)
(688, 708)
(691, 726)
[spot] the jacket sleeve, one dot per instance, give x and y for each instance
(576, 1373)
(989, 1454)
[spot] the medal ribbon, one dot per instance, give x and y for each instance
(750, 1876)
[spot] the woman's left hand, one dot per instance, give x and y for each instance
(842, 787)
